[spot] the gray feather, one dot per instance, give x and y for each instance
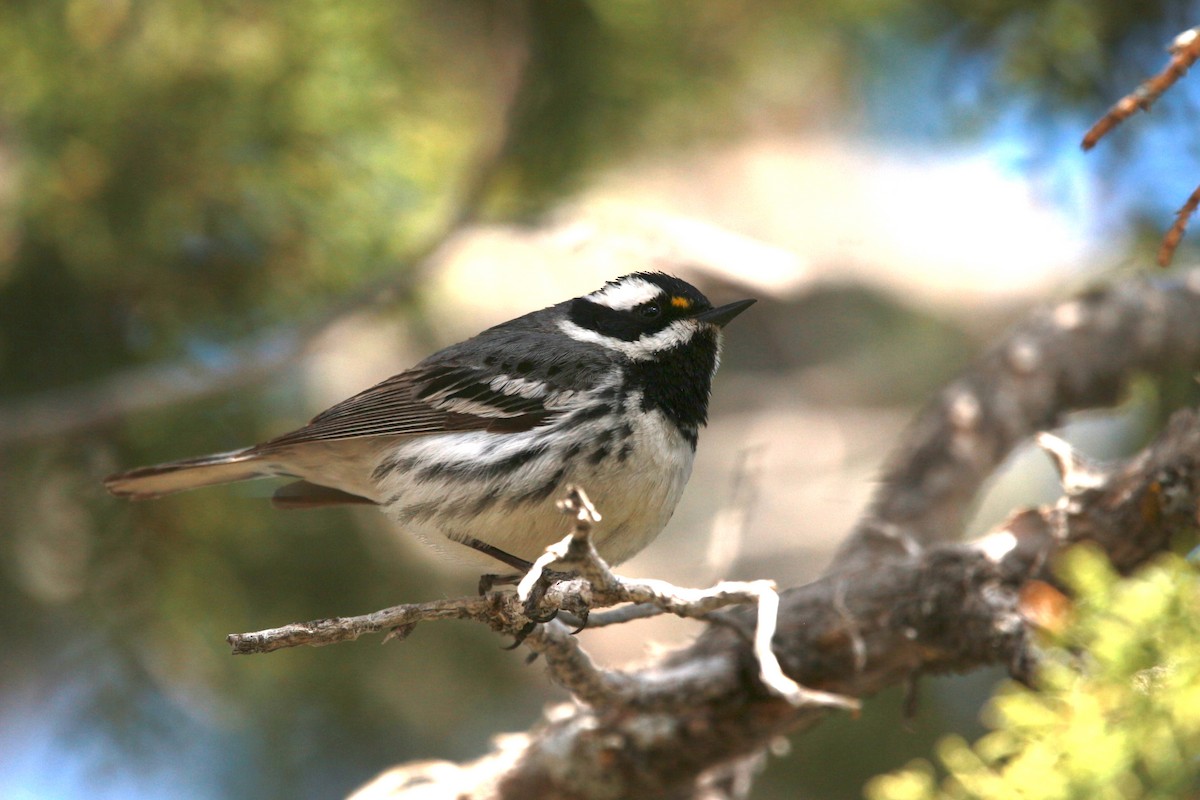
(175, 476)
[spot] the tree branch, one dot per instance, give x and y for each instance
(1075, 355)
(1185, 50)
(540, 592)
(899, 601)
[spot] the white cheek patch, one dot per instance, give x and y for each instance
(677, 333)
(627, 294)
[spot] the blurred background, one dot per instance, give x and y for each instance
(216, 219)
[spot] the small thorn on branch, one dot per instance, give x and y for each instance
(1076, 472)
(399, 633)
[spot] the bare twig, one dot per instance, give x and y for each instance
(321, 632)
(1172, 238)
(570, 665)
(1185, 50)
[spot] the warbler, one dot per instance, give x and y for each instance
(469, 449)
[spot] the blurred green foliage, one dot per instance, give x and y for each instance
(1070, 50)
(1116, 708)
(201, 169)
(168, 165)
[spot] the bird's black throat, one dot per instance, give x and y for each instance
(677, 382)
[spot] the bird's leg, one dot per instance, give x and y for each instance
(491, 580)
(583, 615)
(548, 578)
(519, 564)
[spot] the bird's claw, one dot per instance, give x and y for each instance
(532, 606)
(582, 613)
(521, 636)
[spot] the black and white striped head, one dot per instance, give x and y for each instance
(668, 334)
(646, 314)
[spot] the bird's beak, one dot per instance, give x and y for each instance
(721, 316)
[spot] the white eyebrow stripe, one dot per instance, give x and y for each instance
(677, 333)
(627, 294)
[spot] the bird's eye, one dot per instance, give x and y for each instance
(650, 311)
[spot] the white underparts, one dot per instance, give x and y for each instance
(635, 464)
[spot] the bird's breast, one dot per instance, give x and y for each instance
(501, 488)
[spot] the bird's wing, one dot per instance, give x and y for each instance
(439, 398)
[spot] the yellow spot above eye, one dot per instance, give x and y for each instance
(681, 302)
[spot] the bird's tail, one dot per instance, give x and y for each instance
(147, 482)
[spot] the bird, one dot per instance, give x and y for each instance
(469, 449)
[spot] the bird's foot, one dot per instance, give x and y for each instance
(533, 604)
